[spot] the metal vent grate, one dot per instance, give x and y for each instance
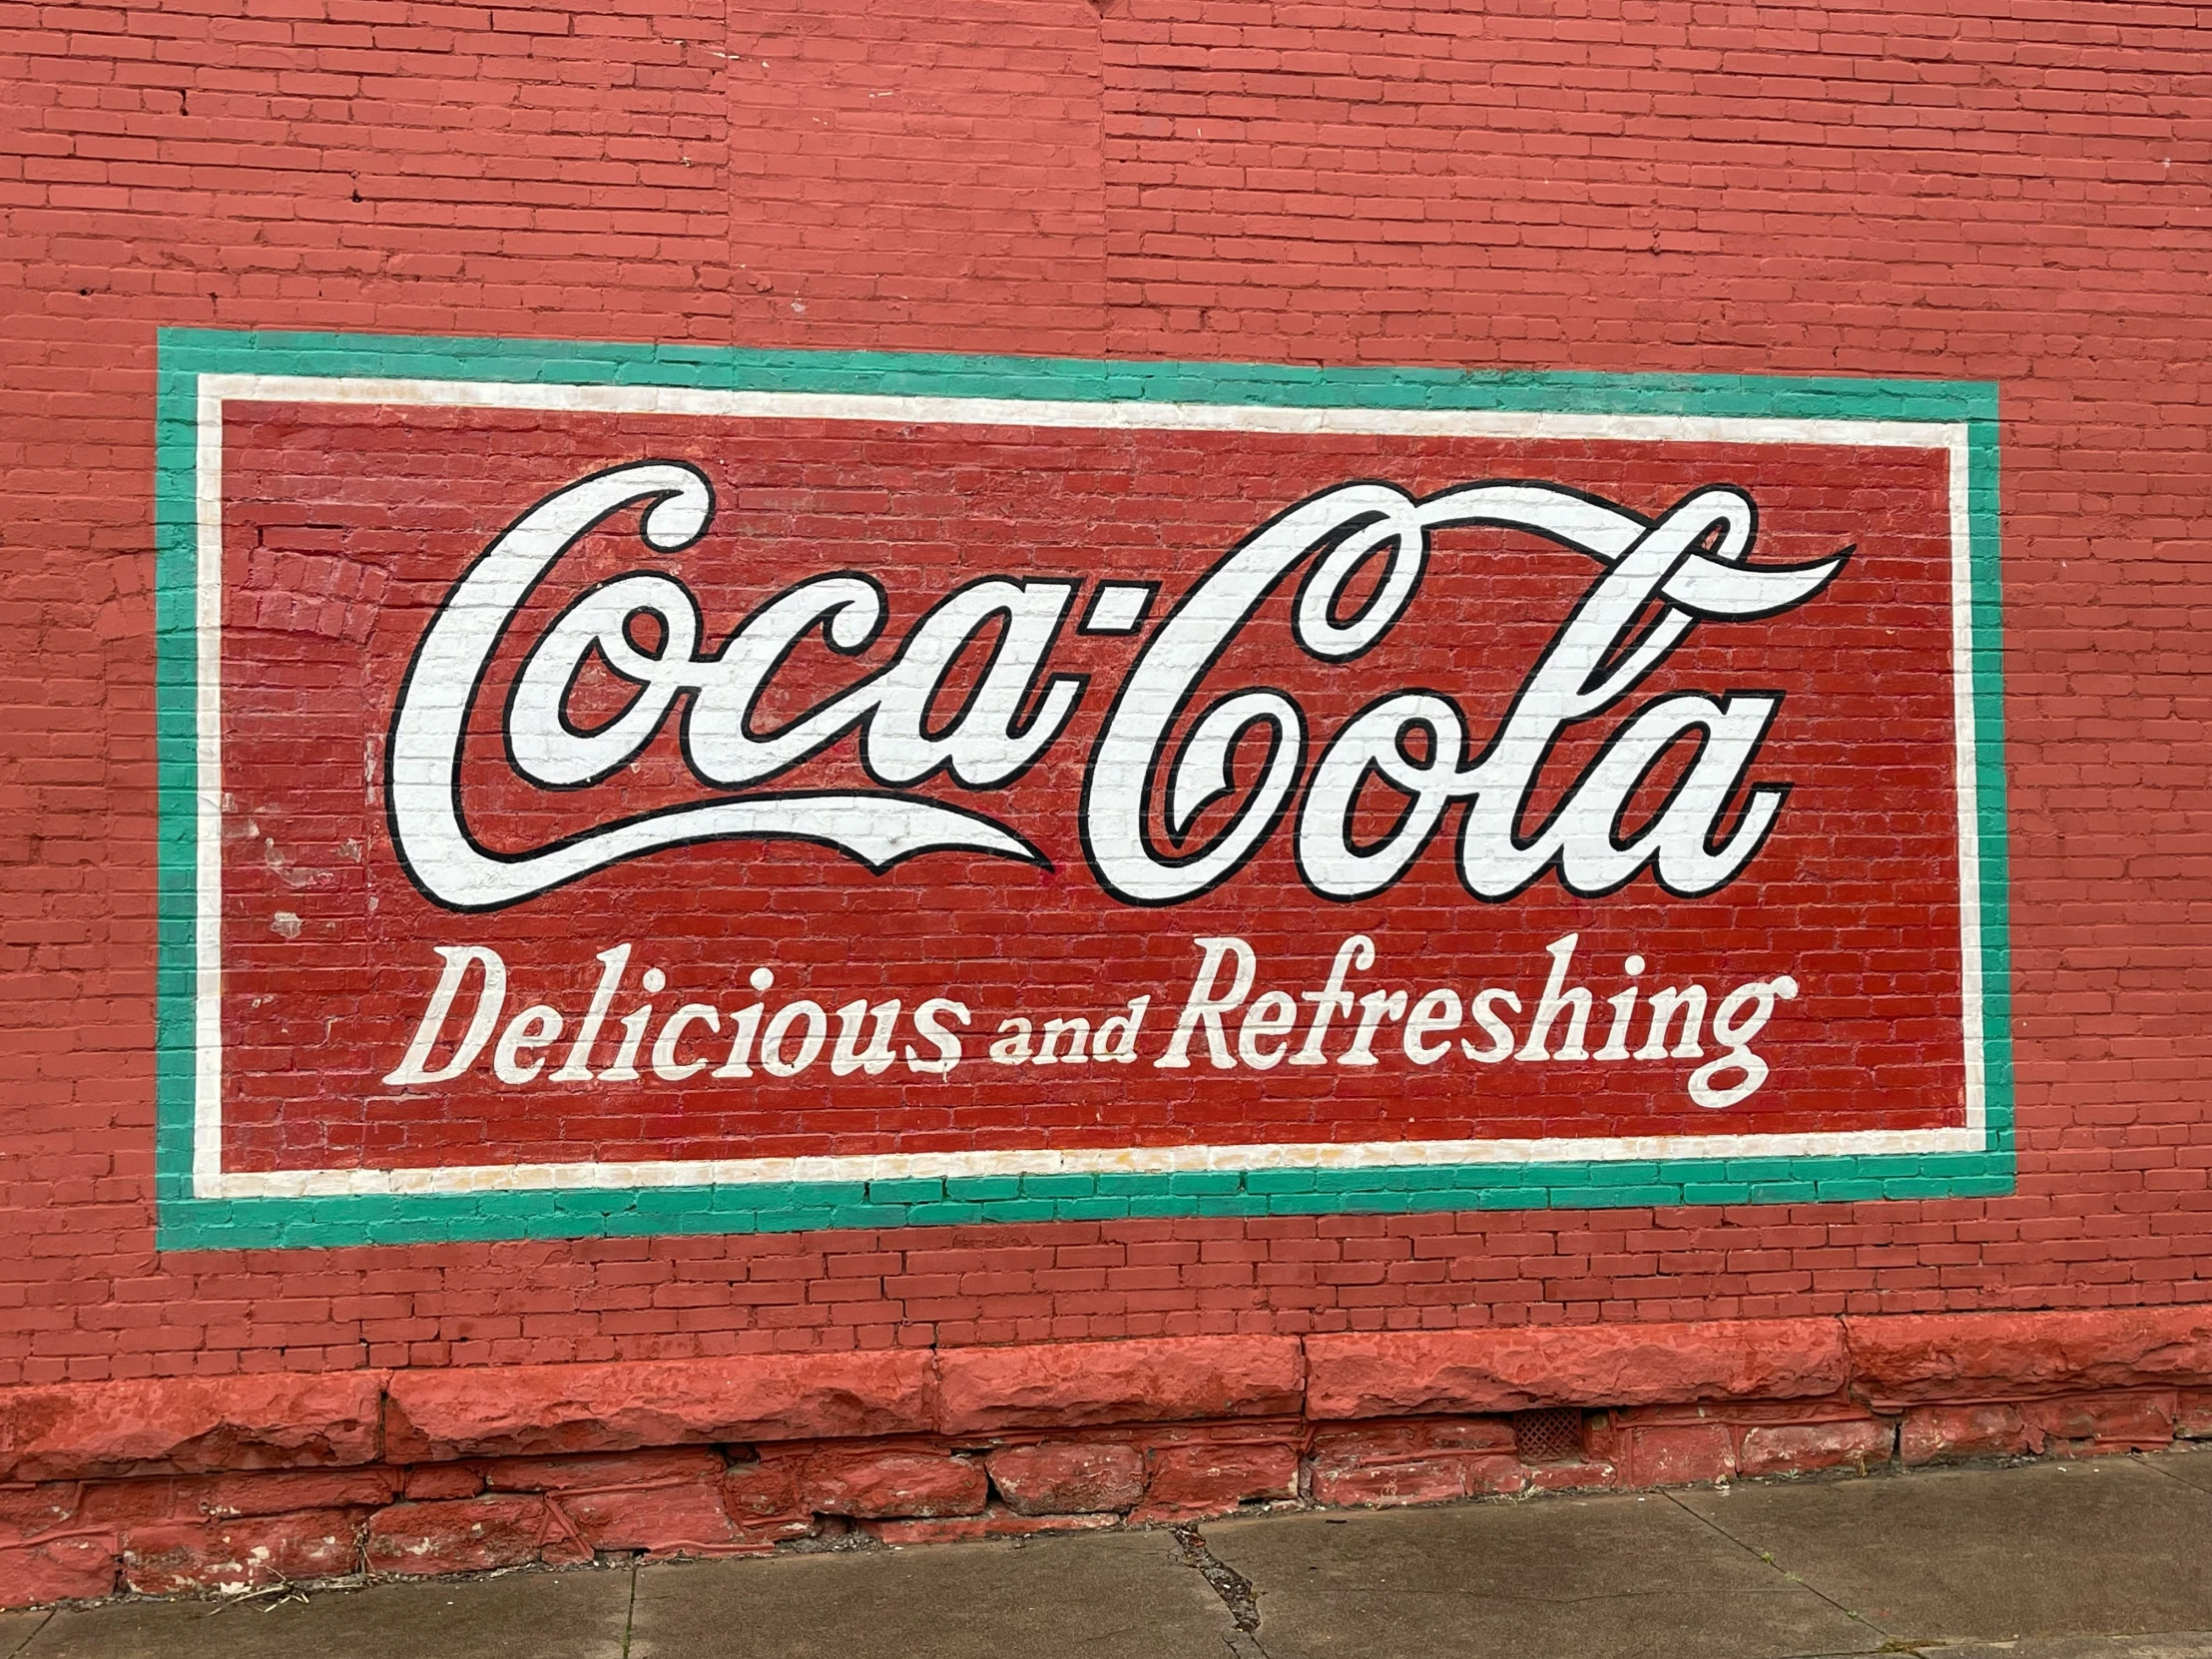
(1552, 1435)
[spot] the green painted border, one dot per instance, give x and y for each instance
(188, 1223)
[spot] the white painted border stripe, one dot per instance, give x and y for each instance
(1015, 411)
(1970, 818)
(896, 1166)
(209, 1180)
(207, 1115)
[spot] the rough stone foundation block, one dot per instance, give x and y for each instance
(1190, 1482)
(686, 1517)
(144, 1425)
(762, 1491)
(887, 1485)
(1591, 1475)
(1908, 1359)
(1800, 1449)
(59, 1569)
(1682, 1454)
(1951, 1433)
(1744, 1413)
(182, 1557)
(1514, 1369)
(767, 1535)
(1389, 1484)
(465, 1535)
(2103, 1422)
(2193, 1415)
(1157, 1379)
(1493, 1476)
(504, 1411)
(1067, 1479)
(1386, 1465)
(28, 1511)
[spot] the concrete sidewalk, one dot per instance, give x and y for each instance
(2102, 1559)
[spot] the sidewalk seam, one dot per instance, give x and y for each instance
(2201, 1492)
(1768, 1560)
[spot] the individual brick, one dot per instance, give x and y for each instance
(1800, 1449)
(248, 1553)
(58, 1569)
(1953, 1433)
(563, 1410)
(465, 1535)
(1073, 1478)
(1191, 1482)
(1680, 1454)
(878, 1485)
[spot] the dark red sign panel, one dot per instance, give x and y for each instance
(619, 786)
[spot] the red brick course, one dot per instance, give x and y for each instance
(1978, 193)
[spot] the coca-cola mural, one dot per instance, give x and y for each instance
(609, 789)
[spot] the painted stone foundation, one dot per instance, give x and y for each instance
(177, 1486)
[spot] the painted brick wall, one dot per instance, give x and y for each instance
(2007, 192)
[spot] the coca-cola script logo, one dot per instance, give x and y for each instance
(1157, 759)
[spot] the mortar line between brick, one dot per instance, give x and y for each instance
(1766, 1560)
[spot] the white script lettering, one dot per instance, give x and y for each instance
(1660, 579)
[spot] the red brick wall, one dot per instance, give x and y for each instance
(1997, 192)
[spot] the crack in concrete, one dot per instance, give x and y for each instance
(1236, 1591)
(1767, 1557)
(630, 1613)
(2166, 1469)
(24, 1644)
